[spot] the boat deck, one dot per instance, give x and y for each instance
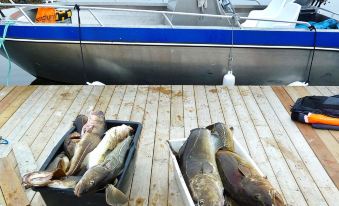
(299, 161)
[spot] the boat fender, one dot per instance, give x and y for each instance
(229, 79)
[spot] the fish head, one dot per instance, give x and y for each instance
(261, 193)
(93, 180)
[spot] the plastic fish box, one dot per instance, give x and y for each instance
(64, 197)
(175, 145)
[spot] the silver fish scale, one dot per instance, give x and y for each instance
(115, 159)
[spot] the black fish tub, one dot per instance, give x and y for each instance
(57, 197)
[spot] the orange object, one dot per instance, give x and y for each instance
(321, 119)
(45, 15)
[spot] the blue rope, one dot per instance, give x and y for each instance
(2, 41)
(3, 141)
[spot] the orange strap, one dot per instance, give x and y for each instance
(321, 119)
(45, 15)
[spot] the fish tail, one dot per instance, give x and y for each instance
(73, 167)
(114, 196)
(224, 133)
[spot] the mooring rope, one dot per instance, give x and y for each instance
(2, 44)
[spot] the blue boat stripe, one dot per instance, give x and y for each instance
(176, 36)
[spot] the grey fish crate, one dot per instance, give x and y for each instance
(57, 197)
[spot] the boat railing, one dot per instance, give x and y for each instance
(164, 13)
(331, 12)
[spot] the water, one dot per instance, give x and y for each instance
(18, 75)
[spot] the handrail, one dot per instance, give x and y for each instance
(333, 13)
(153, 11)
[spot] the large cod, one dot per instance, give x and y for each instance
(199, 168)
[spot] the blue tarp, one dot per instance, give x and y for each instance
(327, 24)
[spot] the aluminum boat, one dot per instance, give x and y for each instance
(175, 42)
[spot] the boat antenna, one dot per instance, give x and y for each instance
(312, 28)
(77, 7)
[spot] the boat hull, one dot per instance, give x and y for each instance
(173, 56)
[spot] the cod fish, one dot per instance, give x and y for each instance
(96, 127)
(61, 161)
(99, 176)
(42, 178)
(199, 168)
(70, 142)
(65, 182)
(79, 122)
(241, 181)
(111, 139)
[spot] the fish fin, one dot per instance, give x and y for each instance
(244, 170)
(206, 167)
(114, 196)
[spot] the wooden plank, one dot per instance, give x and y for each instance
(137, 115)
(33, 131)
(318, 173)
(43, 137)
(142, 175)
(18, 116)
(190, 111)
(214, 104)
(293, 177)
(115, 103)
(92, 100)
(255, 147)
(26, 163)
(203, 114)
(275, 157)
(11, 109)
(159, 178)
(30, 116)
(21, 111)
(325, 157)
(230, 115)
(11, 186)
(139, 106)
(11, 97)
(177, 108)
(2, 199)
(5, 91)
(37, 200)
(335, 91)
(65, 123)
(104, 98)
(176, 131)
(127, 103)
(325, 135)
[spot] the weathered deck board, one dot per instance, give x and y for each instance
(318, 173)
(143, 166)
(280, 167)
(10, 184)
(159, 189)
(177, 131)
(259, 116)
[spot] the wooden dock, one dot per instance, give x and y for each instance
(301, 162)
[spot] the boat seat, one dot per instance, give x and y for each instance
(271, 11)
(290, 12)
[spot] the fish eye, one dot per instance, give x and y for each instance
(257, 196)
(201, 202)
(91, 182)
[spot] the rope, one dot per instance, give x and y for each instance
(3, 141)
(313, 51)
(2, 44)
(77, 7)
(230, 55)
